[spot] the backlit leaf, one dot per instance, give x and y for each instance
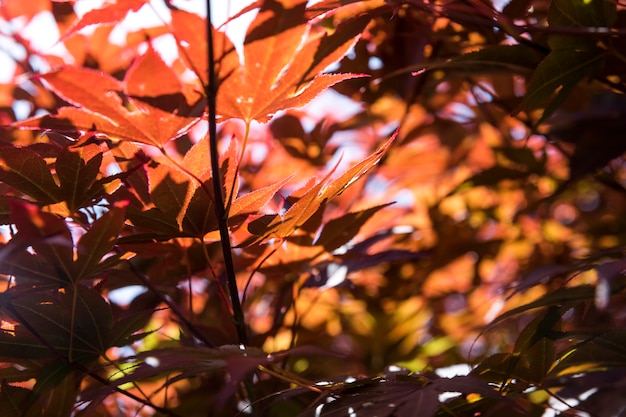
(302, 209)
(29, 269)
(353, 174)
(28, 173)
(191, 35)
(315, 194)
(171, 190)
(270, 78)
(149, 76)
(256, 200)
(99, 240)
(48, 234)
(197, 160)
(98, 97)
(77, 169)
(326, 49)
(75, 323)
(199, 216)
(109, 14)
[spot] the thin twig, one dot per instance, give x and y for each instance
(220, 211)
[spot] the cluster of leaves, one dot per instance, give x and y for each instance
(192, 227)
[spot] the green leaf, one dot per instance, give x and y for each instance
(28, 173)
(535, 347)
(557, 75)
(582, 13)
(499, 58)
(596, 352)
(562, 297)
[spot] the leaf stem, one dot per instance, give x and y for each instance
(220, 211)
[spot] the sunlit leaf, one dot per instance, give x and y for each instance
(109, 14)
(190, 31)
(270, 77)
(149, 76)
(256, 200)
(100, 108)
(171, 190)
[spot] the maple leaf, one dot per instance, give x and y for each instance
(190, 31)
(110, 14)
(314, 195)
(270, 78)
(100, 108)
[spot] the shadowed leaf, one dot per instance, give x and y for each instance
(28, 173)
(77, 169)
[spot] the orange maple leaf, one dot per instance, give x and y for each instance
(279, 49)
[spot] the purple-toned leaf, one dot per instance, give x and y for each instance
(28, 173)
(99, 240)
(77, 169)
(341, 230)
(48, 235)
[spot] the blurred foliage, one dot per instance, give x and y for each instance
(411, 187)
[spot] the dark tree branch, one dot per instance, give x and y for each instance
(220, 211)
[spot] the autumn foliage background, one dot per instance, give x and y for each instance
(317, 221)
